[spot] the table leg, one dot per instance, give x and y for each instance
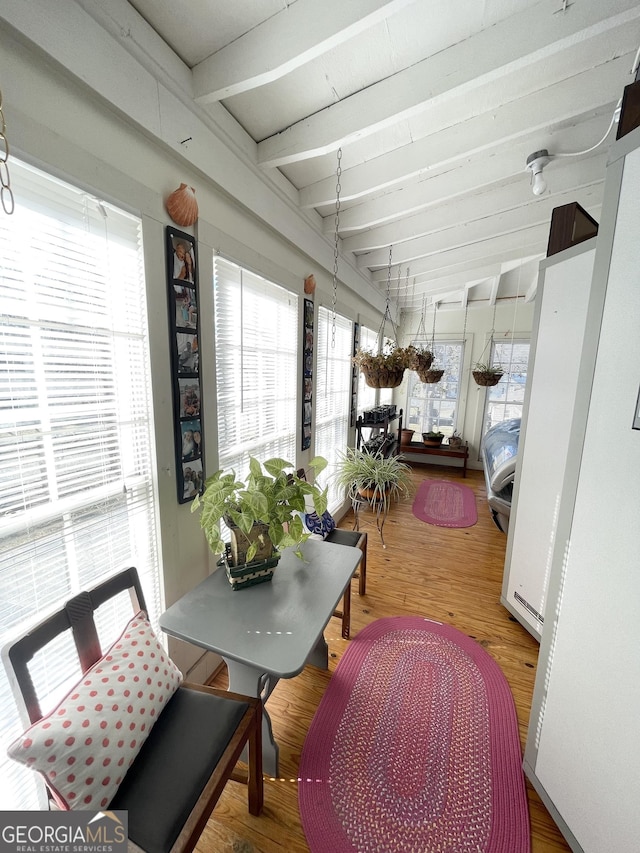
(251, 682)
(319, 655)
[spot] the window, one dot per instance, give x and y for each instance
(256, 325)
(76, 499)
(366, 394)
(435, 406)
(333, 392)
(506, 399)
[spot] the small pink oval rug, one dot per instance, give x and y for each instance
(414, 748)
(445, 504)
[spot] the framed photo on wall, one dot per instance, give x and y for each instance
(353, 412)
(184, 327)
(307, 375)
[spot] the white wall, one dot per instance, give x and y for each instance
(583, 749)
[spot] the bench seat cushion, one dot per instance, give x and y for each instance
(167, 777)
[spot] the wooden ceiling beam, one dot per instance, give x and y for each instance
(514, 44)
(298, 34)
(568, 176)
(484, 228)
(593, 92)
(473, 177)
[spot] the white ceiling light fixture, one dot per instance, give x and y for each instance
(536, 163)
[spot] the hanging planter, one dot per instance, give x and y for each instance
(385, 370)
(430, 377)
(483, 372)
(487, 375)
(420, 359)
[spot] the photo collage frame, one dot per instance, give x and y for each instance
(354, 376)
(307, 375)
(184, 326)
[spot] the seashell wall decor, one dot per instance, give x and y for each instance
(309, 284)
(182, 206)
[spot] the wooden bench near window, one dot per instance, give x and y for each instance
(442, 450)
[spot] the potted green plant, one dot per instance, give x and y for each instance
(433, 438)
(406, 436)
(384, 370)
(487, 374)
(262, 512)
(376, 478)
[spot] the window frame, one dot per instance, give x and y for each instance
(442, 360)
(512, 408)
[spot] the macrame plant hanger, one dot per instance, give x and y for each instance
(432, 374)
(464, 333)
(515, 314)
(385, 370)
(387, 313)
(485, 373)
(420, 336)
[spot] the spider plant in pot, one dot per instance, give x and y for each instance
(487, 374)
(380, 479)
(262, 512)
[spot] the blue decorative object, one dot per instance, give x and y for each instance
(320, 526)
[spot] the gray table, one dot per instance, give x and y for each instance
(271, 630)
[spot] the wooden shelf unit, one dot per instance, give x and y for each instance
(391, 437)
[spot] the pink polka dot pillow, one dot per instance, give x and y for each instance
(85, 746)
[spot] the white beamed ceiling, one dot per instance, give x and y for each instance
(435, 105)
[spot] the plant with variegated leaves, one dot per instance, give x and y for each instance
(273, 497)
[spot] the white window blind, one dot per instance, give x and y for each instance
(76, 491)
(366, 394)
(256, 324)
(333, 393)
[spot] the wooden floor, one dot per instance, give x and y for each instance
(450, 575)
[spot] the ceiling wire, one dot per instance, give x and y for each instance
(614, 118)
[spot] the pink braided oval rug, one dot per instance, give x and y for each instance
(445, 504)
(414, 748)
